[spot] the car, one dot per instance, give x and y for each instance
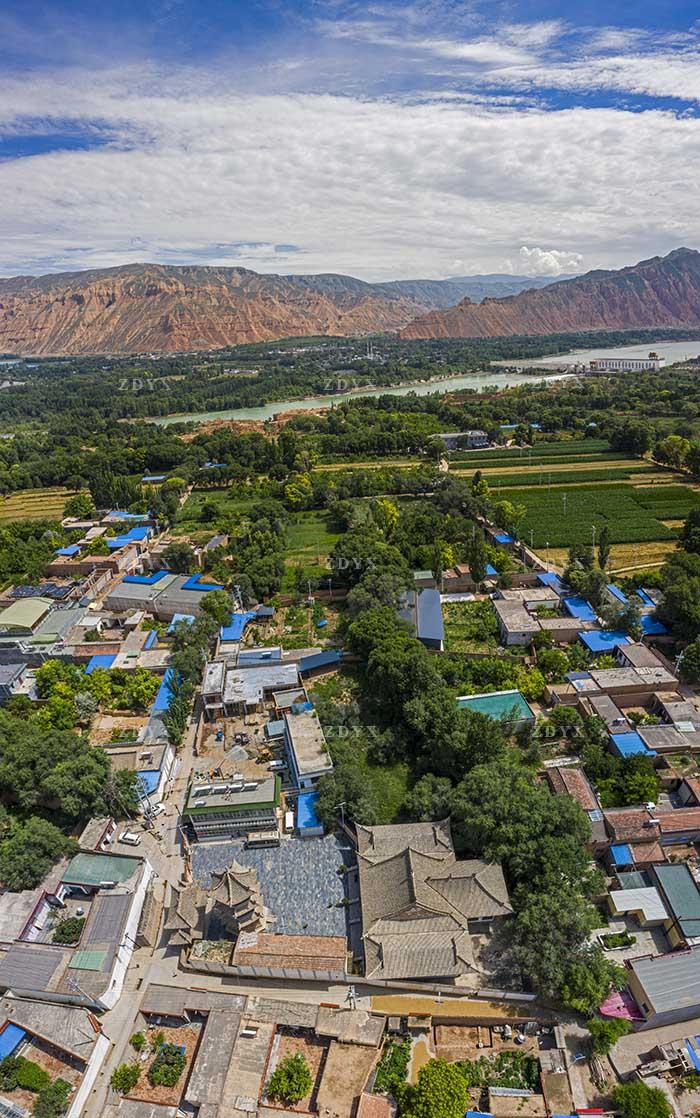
(130, 838)
(157, 809)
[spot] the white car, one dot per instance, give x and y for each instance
(156, 810)
(130, 838)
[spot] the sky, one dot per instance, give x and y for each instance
(383, 139)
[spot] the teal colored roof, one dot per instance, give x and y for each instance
(92, 869)
(682, 897)
(509, 706)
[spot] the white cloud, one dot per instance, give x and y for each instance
(376, 187)
(545, 262)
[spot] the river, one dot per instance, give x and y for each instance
(421, 388)
(670, 351)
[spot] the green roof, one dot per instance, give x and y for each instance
(93, 869)
(244, 800)
(88, 959)
(682, 897)
(507, 706)
(25, 614)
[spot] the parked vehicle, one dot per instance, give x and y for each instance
(130, 838)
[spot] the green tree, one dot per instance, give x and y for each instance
(179, 556)
(125, 1077)
(219, 605)
(637, 1100)
(52, 1101)
(440, 1092)
(689, 667)
(589, 978)
(80, 505)
(606, 1031)
(29, 852)
(291, 1080)
(604, 547)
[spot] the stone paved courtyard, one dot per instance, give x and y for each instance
(299, 880)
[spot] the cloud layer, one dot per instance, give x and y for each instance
(331, 159)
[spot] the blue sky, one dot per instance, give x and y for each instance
(383, 139)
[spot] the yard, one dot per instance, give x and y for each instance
(288, 1044)
(470, 626)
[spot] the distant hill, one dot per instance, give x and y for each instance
(141, 308)
(663, 291)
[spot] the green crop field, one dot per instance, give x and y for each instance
(569, 477)
(310, 535)
(562, 451)
(566, 516)
(35, 504)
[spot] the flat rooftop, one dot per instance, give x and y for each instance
(233, 795)
(307, 742)
(248, 685)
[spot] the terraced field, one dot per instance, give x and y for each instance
(35, 504)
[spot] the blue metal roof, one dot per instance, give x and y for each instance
(69, 551)
(153, 477)
(693, 1053)
(579, 608)
(259, 655)
(129, 515)
(621, 854)
(504, 537)
(165, 695)
(195, 582)
(491, 570)
(187, 618)
(145, 580)
(319, 660)
(617, 593)
(147, 782)
(630, 745)
(134, 535)
(651, 627)
(150, 639)
(234, 631)
(104, 662)
(306, 811)
(551, 579)
(10, 1038)
(603, 640)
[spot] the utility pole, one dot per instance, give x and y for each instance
(593, 531)
(547, 546)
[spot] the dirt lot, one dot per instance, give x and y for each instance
(469, 1042)
(345, 1073)
(314, 1052)
(167, 1096)
(106, 724)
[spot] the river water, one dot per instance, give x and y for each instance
(495, 379)
(671, 351)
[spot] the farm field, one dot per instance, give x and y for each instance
(35, 504)
(633, 514)
(546, 478)
(623, 556)
(563, 450)
(188, 518)
(310, 536)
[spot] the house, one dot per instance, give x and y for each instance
(471, 440)
(306, 748)
(666, 987)
(681, 896)
(223, 809)
(24, 616)
(162, 593)
(679, 826)
(420, 906)
(516, 625)
(228, 689)
(422, 609)
(689, 791)
(565, 780)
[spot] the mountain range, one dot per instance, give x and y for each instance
(145, 308)
(663, 291)
(139, 308)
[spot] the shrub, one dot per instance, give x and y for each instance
(137, 1041)
(125, 1077)
(30, 1077)
(606, 1033)
(69, 930)
(167, 1067)
(291, 1080)
(636, 1100)
(52, 1101)
(393, 1066)
(17, 1071)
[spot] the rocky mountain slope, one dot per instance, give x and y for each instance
(663, 291)
(153, 307)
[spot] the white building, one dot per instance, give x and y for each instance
(626, 364)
